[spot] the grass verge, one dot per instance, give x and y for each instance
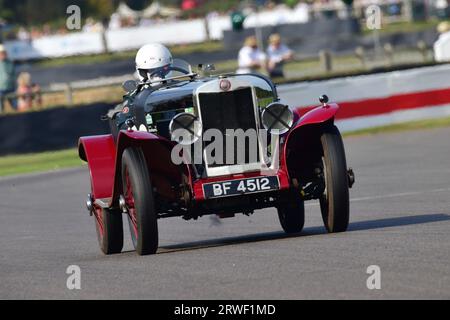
(407, 126)
(47, 161)
(39, 162)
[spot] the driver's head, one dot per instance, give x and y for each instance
(153, 62)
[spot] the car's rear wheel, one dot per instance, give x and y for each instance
(334, 203)
(138, 194)
(292, 214)
(109, 227)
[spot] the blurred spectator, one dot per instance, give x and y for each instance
(27, 92)
(115, 22)
(47, 30)
(443, 27)
(442, 45)
(442, 8)
(92, 26)
(251, 58)
(145, 22)
(35, 33)
(278, 54)
(302, 12)
(129, 21)
(7, 77)
(189, 4)
(237, 20)
(62, 31)
(23, 34)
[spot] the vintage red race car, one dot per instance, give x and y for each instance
(192, 145)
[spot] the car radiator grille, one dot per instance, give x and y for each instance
(229, 110)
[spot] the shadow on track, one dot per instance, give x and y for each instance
(268, 236)
(397, 222)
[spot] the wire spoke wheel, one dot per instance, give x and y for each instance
(129, 200)
(109, 228)
(334, 203)
(138, 194)
(292, 214)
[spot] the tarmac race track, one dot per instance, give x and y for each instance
(400, 221)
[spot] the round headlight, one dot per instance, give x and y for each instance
(185, 128)
(277, 118)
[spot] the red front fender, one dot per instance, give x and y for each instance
(315, 116)
(100, 153)
(307, 128)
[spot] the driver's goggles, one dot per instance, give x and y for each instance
(160, 72)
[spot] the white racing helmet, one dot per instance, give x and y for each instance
(153, 62)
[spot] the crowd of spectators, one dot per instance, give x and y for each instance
(18, 90)
(440, 8)
(252, 59)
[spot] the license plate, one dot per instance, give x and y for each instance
(242, 186)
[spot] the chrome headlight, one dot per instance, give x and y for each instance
(277, 118)
(185, 128)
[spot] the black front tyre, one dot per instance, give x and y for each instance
(109, 229)
(334, 203)
(292, 215)
(138, 194)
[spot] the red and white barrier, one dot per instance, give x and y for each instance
(379, 99)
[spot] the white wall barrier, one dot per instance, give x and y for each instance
(218, 24)
(79, 43)
(56, 46)
(181, 32)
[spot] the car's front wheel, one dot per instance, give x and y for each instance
(292, 214)
(334, 202)
(109, 227)
(138, 194)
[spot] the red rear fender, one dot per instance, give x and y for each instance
(157, 151)
(104, 159)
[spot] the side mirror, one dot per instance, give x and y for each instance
(129, 85)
